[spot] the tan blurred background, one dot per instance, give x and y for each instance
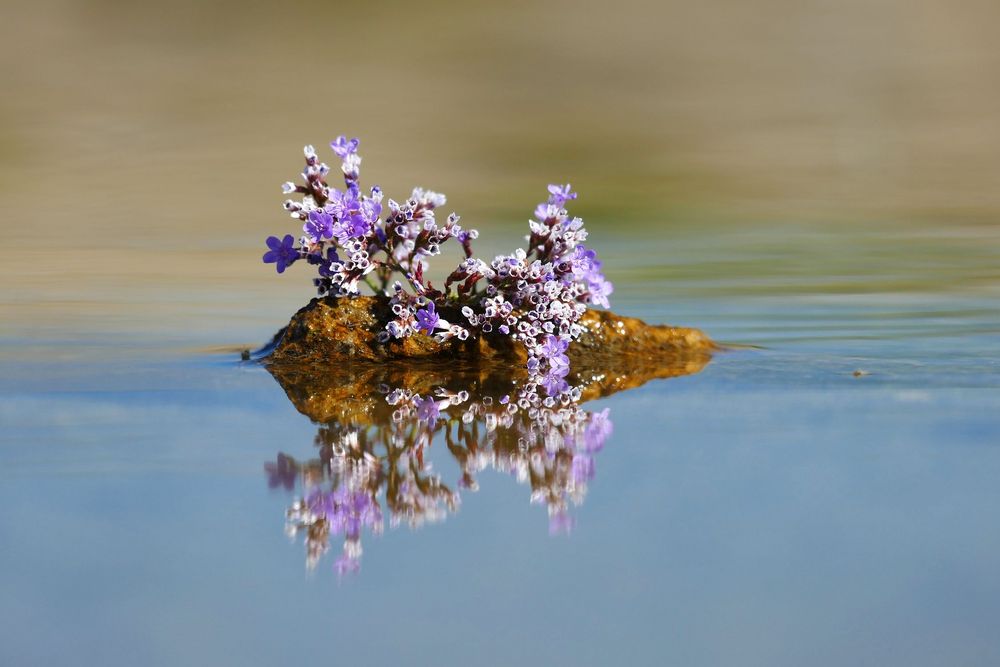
(142, 145)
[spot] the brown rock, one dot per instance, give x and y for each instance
(334, 330)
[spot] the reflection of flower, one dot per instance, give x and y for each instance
(597, 431)
(536, 433)
(428, 411)
(344, 510)
(583, 468)
(347, 564)
(282, 473)
(560, 523)
(554, 382)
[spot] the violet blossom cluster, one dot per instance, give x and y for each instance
(535, 295)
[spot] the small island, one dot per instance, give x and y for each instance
(534, 309)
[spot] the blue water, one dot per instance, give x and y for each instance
(825, 493)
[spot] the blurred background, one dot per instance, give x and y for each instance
(848, 146)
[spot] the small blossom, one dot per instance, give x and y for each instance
(600, 289)
(326, 264)
(342, 203)
(547, 211)
(319, 226)
(282, 253)
(371, 209)
(427, 319)
(343, 146)
(560, 194)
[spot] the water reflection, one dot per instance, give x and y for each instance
(377, 427)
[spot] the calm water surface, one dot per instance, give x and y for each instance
(772, 508)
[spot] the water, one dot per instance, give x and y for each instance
(771, 509)
(816, 191)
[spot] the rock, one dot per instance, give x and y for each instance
(329, 330)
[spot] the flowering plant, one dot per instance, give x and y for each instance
(535, 296)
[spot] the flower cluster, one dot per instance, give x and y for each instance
(535, 296)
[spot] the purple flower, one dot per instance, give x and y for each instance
(371, 210)
(560, 194)
(585, 267)
(351, 227)
(343, 146)
(427, 319)
(599, 288)
(352, 221)
(583, 263)
(326, 268)
(554, 349)
(546, 211)
(282, 252)
(319, 226)
(341, 204)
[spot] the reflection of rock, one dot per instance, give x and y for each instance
(331, 329)
(351, 392)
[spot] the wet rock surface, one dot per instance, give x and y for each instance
(331, 330)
